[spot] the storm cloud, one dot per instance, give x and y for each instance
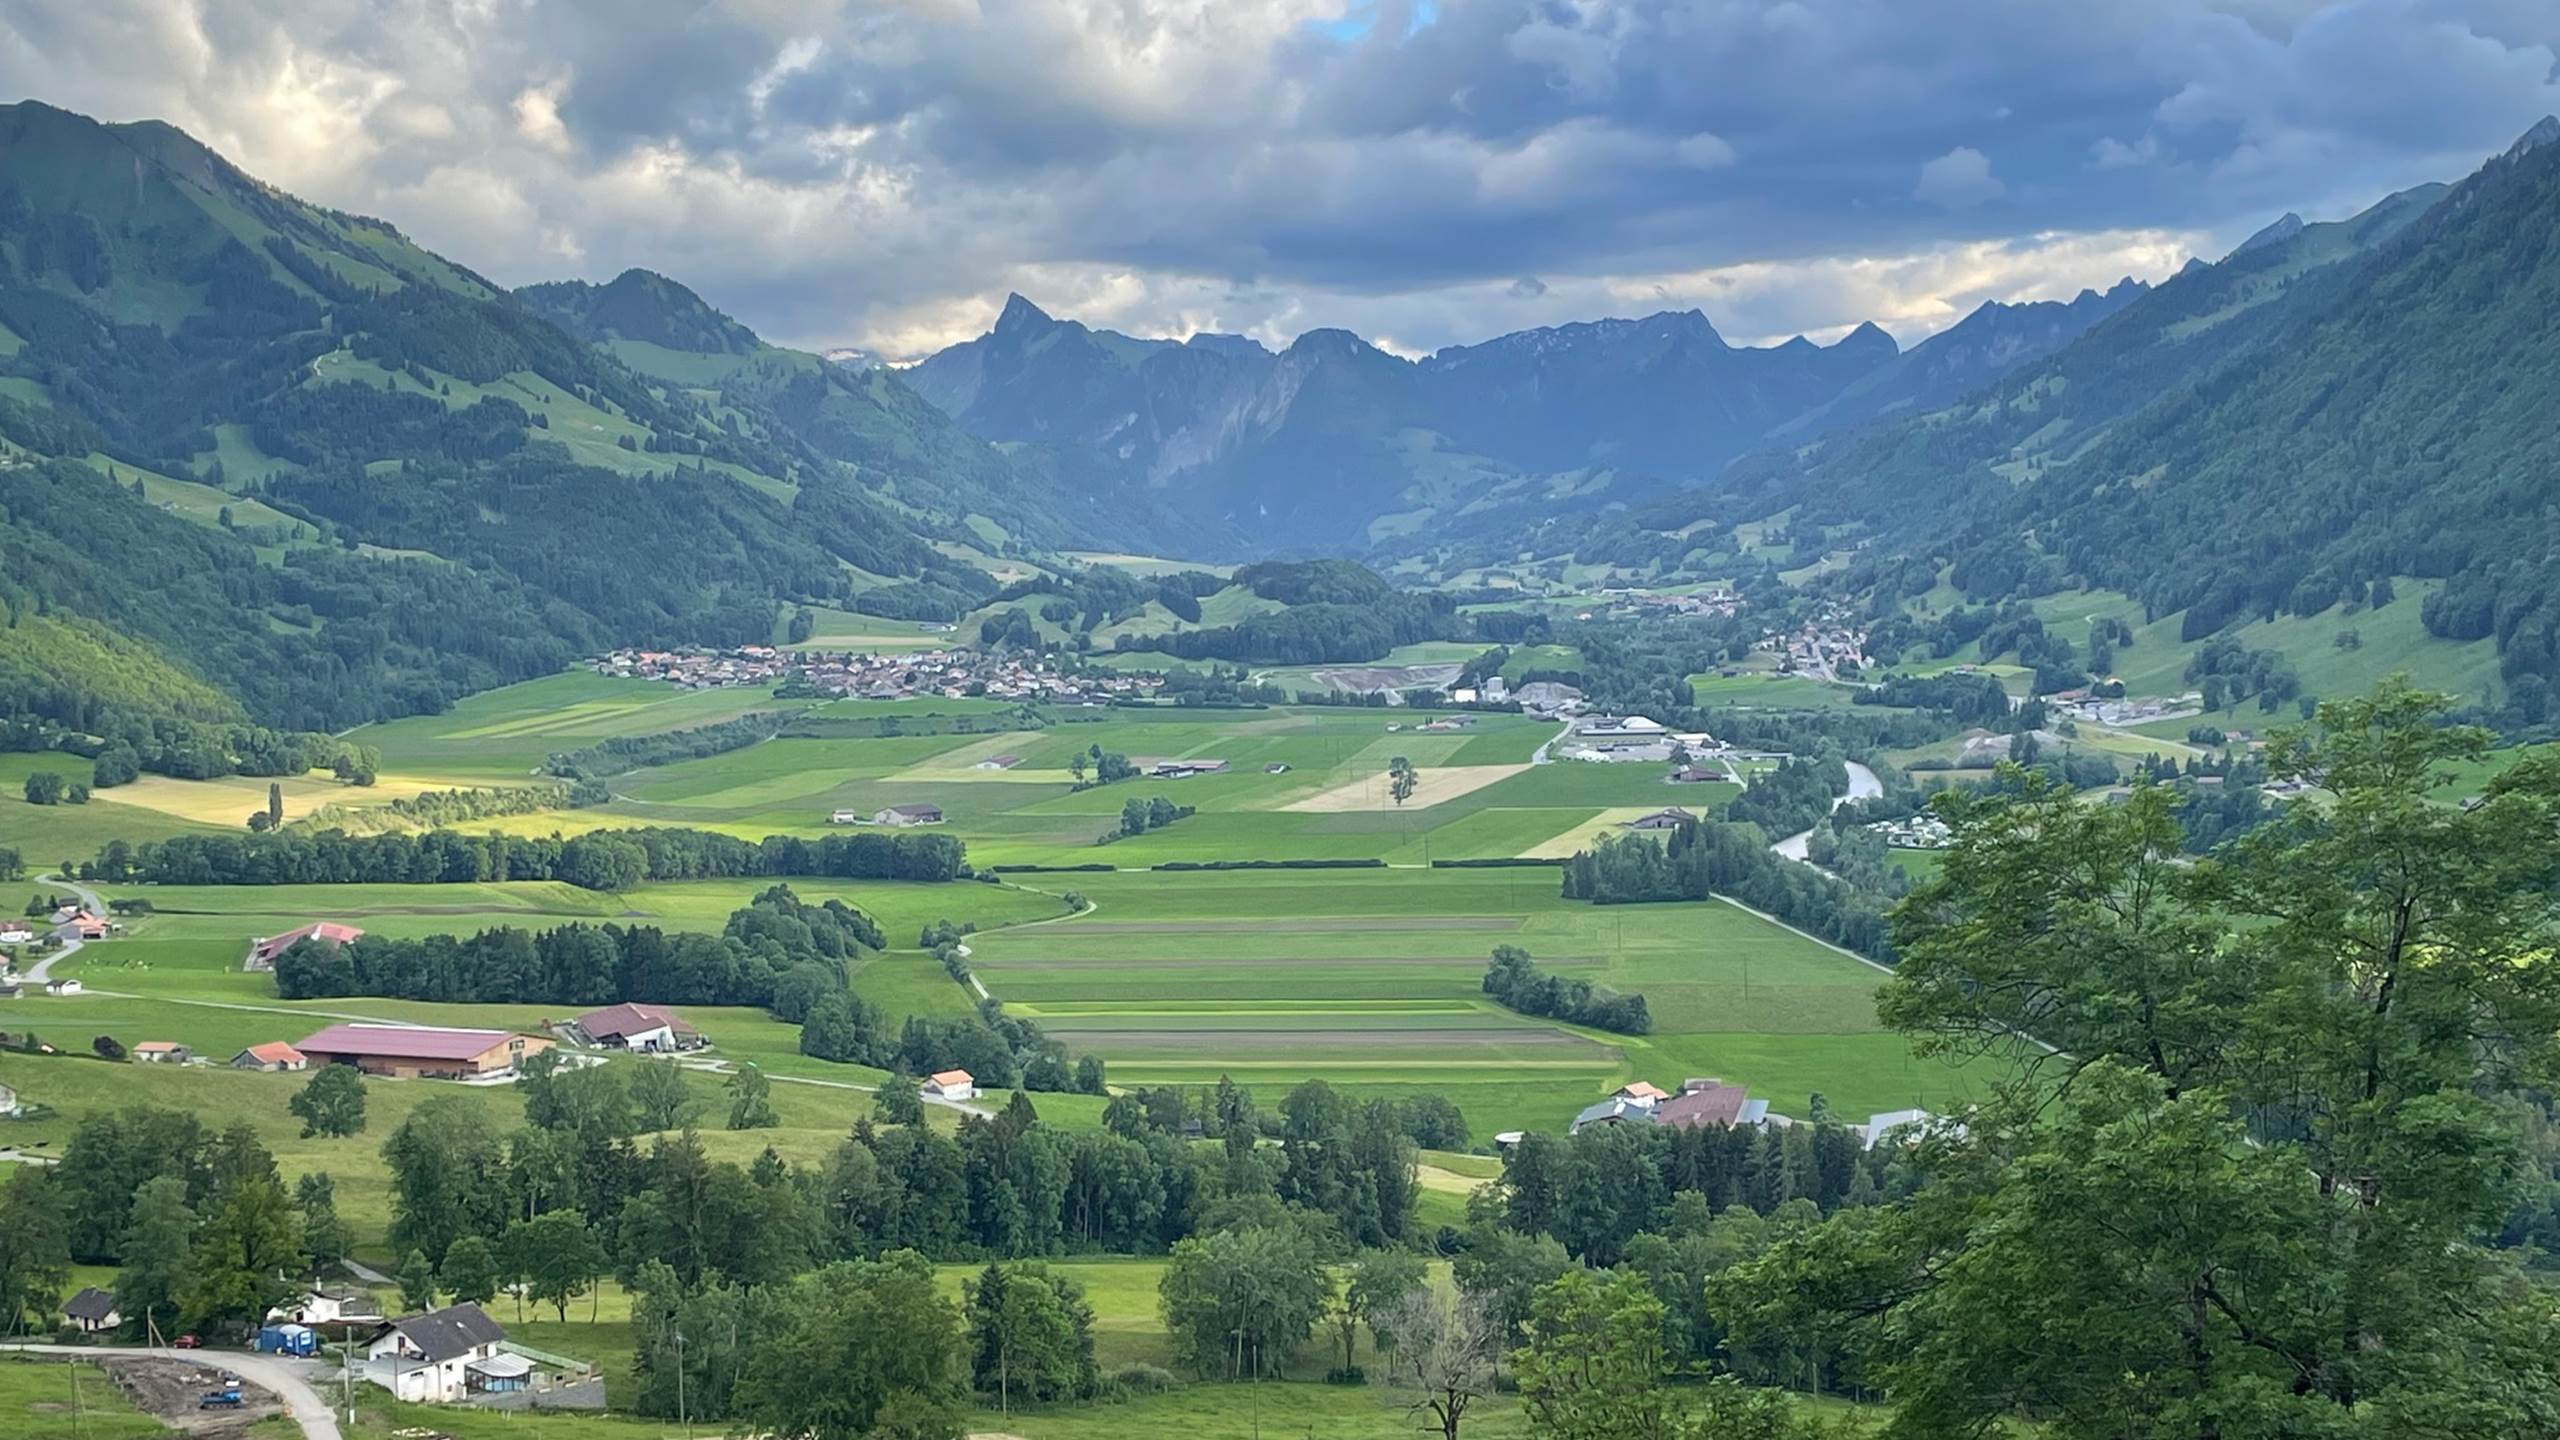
(881, 174)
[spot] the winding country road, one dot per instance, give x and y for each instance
(302, 1402)
(42, 970)
(1863, 785)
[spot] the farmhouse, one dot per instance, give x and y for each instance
(9, 1102)
(1886, 1123)
(1695, 775)
(410, 1052)
(62, 987)
(93, 1311)
(1643, 1092)
(330, 1305)
(1705, 1104)
(79, 925)
(264, 950)
(1185, 769)
(273, 1055)
(952, 1085)
(1671, 818)
(1616, 1110)
(162, 1052)
(845, 817)
(429, 1359)
(631, 1026)
(909, 815)
(15, 932)
(10, 989)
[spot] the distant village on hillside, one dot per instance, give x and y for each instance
(949, 674)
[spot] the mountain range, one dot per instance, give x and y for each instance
(265, 459)
(1335, 445)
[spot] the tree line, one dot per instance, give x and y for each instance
(600, 860)
(1518, 984)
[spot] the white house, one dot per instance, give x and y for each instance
(62, 987)
(9, 1102)
(952, 1085)
(325, 1306)
(427, 1359)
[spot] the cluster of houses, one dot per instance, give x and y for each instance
(947, 673)
(911, 814)
(1624, 601)
(458, 1355)
(1711, 1104)
(426, 1052)
(63, 923)
(1918, 832)
(1823, 646)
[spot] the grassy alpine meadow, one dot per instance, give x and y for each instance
(1372, 980)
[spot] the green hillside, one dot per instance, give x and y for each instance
(306, 416)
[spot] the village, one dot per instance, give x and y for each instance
(950, 674)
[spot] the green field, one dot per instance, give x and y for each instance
(56, 1399)
(1370, 980)
(1303, 782)
(2387, 641)
(1367, 978)
(1768, 692)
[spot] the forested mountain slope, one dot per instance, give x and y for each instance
(900, 446)
(1904, 471)
(2405, 427)
(2330, 406)
(1978, 350)
(350, 478)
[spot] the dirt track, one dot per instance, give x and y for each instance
(169, 1389)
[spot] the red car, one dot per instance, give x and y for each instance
(186, 1342)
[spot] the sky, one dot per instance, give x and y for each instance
(881, 175)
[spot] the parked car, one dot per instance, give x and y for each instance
(187, 1342)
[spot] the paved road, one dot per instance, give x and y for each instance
(1863, 785)
(42, 970)
(302, 1402)
(1540, 756)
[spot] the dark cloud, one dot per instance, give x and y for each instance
(882, 171)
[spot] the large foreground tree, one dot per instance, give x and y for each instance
(2250, 1192)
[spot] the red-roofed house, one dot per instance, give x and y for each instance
(274, 1055)
(263, 951)
(633, 1026)
(952, 1085)
(410, 1052)
(79, 925)
(1704, 1103)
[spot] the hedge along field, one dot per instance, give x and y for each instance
(1372, 980)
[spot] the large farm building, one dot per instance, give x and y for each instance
(411, 1052)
